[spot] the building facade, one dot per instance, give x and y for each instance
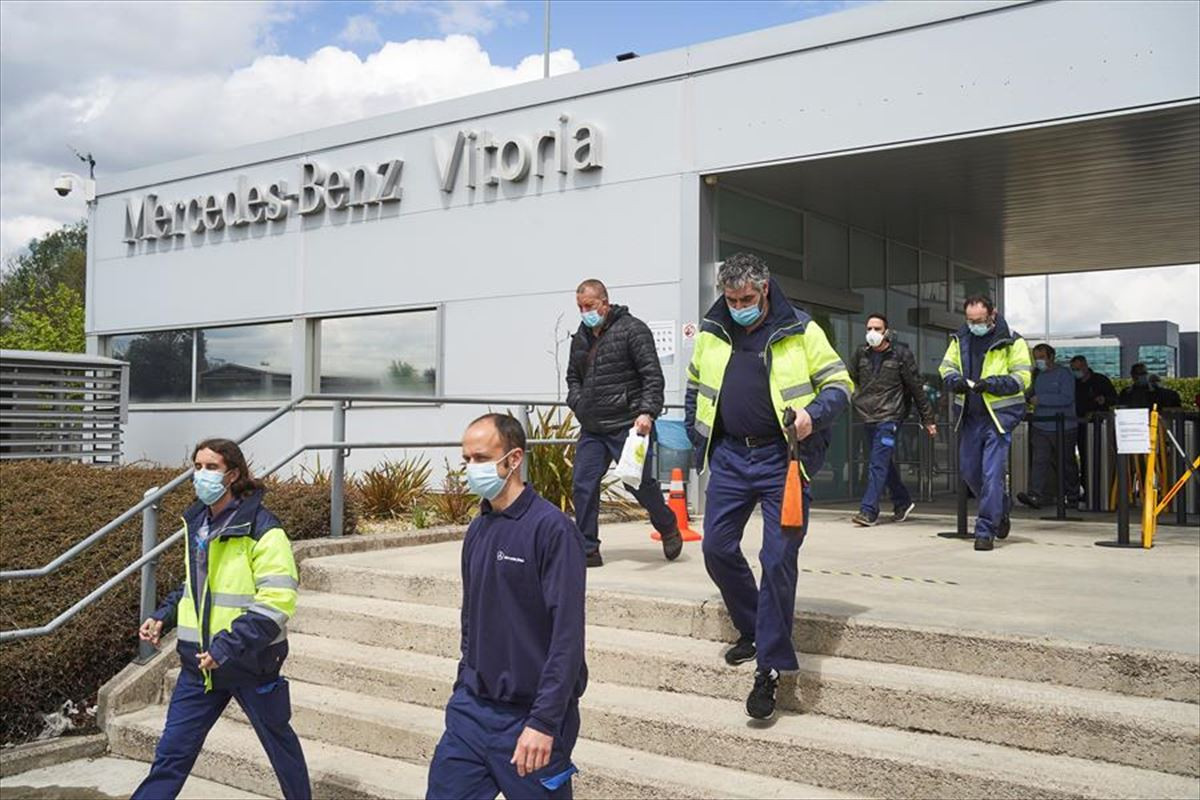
(868, 156)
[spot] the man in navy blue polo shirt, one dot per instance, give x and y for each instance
(513, 718)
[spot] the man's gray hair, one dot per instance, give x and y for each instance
(741, 269)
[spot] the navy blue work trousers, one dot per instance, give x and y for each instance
(472, 759)
(594, 454)
(193, 712)
(740, 479)
(983, 464)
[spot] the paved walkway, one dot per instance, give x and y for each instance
(103, 779)
(1046, 579)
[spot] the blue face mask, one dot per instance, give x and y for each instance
(1078, 374)
(484, 479)
(979, 328)
(591, 318)
(745, 316)
(209, 485)
(1041, 364)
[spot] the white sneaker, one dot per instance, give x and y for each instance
(899, 515)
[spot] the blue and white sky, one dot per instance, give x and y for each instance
(144, 82)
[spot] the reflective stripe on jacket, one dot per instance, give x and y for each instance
(804, 372)
(1008, 366)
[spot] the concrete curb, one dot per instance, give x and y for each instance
(36, 755)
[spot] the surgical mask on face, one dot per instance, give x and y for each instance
(1078, 374)
(592, 318)
(745, 316)
(484, 479)
(979, 328)
(1040, 363)
(874, 338)
(209, 485)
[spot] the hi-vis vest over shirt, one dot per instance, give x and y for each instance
(1006, 365)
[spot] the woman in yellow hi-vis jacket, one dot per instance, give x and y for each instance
(231, 616)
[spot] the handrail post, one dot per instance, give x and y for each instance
(523, 418)
(149, 571)
(337, 475)
(1060, 445)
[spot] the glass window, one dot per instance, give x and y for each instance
(867, 274)
(750, 218)
(249, 362)
(903, 286)
(380, 354)
(828, 253)
(160, 365)
(1158, 358)
(834, 479)
(968, 282)
(935, 284)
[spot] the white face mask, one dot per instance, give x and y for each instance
(874, 338)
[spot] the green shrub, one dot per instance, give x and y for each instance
(47, 507)
(454, 504)
(393, 488)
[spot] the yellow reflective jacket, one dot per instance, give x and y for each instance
(246, 600)
(804, 370)
(1007, 368)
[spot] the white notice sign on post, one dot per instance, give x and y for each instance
(1133, 430)
(664, 340)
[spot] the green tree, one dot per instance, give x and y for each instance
(42, 291)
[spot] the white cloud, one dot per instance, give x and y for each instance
(360, 29)
(1080, 302)
(223, 90)
(459, 16)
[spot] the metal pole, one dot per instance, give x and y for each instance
(546, 50)
(1095, 462)
(1123, 500)
(960, 528)
(1181, 498)
(337, 476)
(149, 584)
(523, 418)
(1060, 444)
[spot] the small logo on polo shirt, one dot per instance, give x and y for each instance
(502, 556)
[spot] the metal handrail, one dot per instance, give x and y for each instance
(148, 504)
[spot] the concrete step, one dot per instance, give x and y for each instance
(233, 755)
(1139, 672)
(1153, 734)
(409, 732)
(835, 754)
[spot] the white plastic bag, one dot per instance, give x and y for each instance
(633, 459)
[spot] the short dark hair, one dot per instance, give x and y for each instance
(1080, 359)
(512, 433)
(594, 285)
(879, 317)
(233, 457)
(979, 299)
(1046, 348)
(1138, 367)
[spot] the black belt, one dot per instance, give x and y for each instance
(756, 441)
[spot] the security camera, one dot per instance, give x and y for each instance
(69, 182)
(64, 185)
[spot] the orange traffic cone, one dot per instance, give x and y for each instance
(678, 504)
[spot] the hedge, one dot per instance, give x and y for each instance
(47, 507)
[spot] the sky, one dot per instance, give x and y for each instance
(138, 83)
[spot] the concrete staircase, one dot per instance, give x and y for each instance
(374, 653)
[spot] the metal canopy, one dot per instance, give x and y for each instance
(1120, 191)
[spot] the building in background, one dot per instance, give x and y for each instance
(1189, 354)
(1153, 343)
(1103, 353)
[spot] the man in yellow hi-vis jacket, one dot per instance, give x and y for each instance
(755, 357)
(231, 615)
(988, 368)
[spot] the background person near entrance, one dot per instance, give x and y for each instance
(1053, 395)
(987, 367)
(756, 357)
(886, 384)
(1094, 395)
(1147, 392)
(614, 382)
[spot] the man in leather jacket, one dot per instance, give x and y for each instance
(614, 382)
(885, 374)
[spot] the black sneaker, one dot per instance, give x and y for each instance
(1005, 525)
(672, 544)
(761, 702)
(1031, 500)
(864, 520)
(900, 513)
(741, 652)
(983, 543)
(594, 559)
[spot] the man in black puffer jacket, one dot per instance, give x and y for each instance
(614, 382)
